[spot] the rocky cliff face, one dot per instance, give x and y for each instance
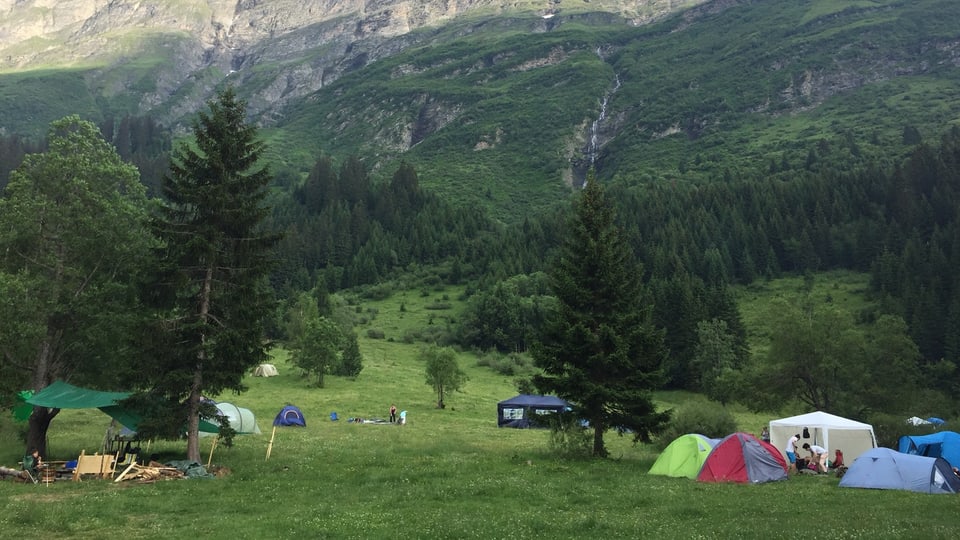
(172, 53)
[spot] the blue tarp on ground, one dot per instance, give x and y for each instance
(945, 444)
(884, 468)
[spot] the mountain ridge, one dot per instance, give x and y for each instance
(190, 46)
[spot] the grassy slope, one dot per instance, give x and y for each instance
(447, 474)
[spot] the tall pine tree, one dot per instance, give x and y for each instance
(600, 349)
(212, 293)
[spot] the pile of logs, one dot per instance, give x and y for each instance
(150, 472)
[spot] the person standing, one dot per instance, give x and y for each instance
(792, 452)
(765, 434)
(393, 413)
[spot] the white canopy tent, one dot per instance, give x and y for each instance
(829, 431)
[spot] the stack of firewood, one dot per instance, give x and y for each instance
(150, 472)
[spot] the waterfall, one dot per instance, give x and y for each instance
(594, 146)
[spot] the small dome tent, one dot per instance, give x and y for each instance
(945, 444)
(883, 468)
(684, 456)
(265, 370)
(290, 416)
(744, 459)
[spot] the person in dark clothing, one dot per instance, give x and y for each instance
(31, 464)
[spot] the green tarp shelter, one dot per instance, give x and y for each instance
(684, 456)
(62, 395)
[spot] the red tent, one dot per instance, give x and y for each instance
(743, 458)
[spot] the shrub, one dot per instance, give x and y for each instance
(705, 417)
(381, 291)
(568, 438)
(375, 333)
(506, 364)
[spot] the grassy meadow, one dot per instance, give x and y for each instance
(447, 474)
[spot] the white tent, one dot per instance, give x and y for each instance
(265, 370)
(241, 420)
(829, 431)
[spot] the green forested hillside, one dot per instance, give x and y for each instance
(505, 119)
(740, 141)
(504, 111)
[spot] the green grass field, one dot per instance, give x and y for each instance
(446, 474)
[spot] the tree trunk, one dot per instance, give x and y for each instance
(193, 420)
(43, 375)
(38, 424)
(598, 449)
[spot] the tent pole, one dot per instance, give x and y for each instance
(270, 446)
(212, 447)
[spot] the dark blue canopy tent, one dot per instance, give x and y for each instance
(522, 411)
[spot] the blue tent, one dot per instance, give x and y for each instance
(883, 468)
(522, 411)
(945, 444)
(290, 416)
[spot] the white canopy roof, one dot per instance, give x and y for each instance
(821, 419)
(827, 430)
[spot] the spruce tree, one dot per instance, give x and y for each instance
(600, 350)
(212, 294)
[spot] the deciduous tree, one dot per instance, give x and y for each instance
(319, 350)
(73, 234)
(443, 372)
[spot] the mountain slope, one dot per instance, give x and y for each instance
(166, 57)
(510, 117)
(507, 104)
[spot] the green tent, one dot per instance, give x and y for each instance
(684, 456)
(61, 395)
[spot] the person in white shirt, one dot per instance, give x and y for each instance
(792, 452)
(818, 454)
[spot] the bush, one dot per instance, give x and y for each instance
(375, 333)
(705, 417)
(506, 364)
(568, 438)
(381, 291)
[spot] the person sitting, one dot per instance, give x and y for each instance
(837, 459)
(32, 463)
